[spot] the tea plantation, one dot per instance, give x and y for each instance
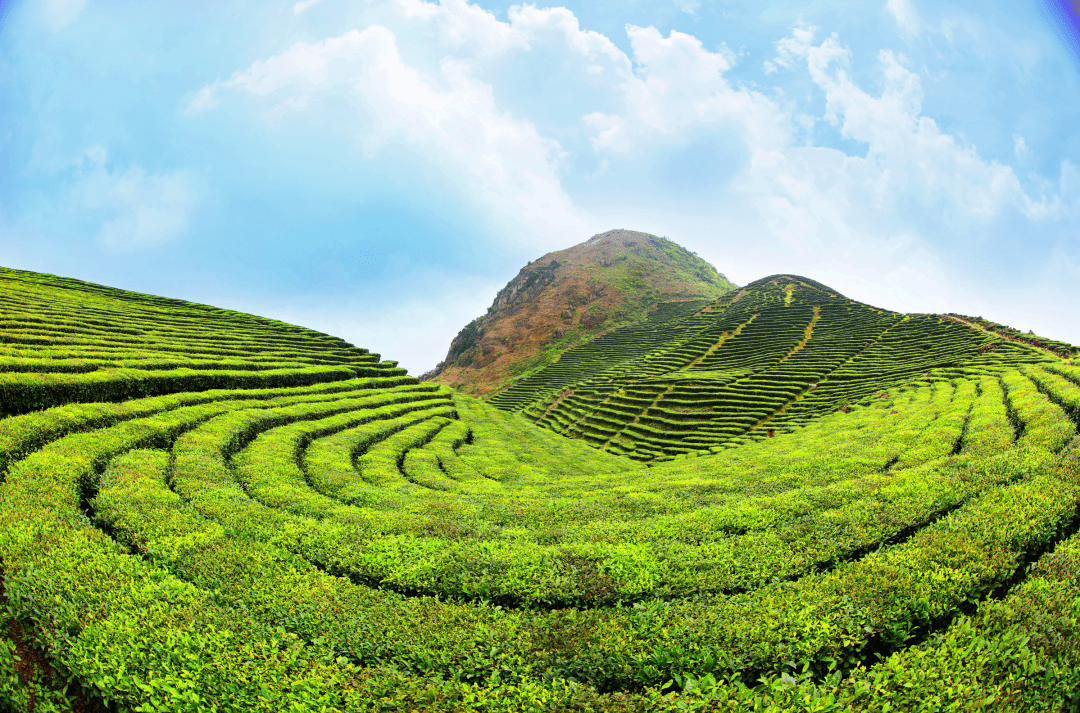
(202, 510)
(772, 356)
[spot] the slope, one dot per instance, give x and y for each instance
(570, 297)
(778, 352)
(65, 341)
(369, 543)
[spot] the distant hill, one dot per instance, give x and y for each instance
(570, 297)
(785, 349)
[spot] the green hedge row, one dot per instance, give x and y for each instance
(20, 435)
(23, 393)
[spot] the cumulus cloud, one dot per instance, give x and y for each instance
(472, 31)
(878, 223)
(385, 106)
(883, 224)
(679, 86)
(909, 158)
(460, 25)
(134, 209)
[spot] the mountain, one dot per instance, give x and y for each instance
(699, 377)
(569, 297)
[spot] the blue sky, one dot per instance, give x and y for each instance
(378, 170)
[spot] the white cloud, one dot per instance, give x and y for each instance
(791, 50)
(58, 14)
(916, 187)
(880, 226)
(907, 18)
(688, 6)
(1020, 147)
(303, 6)
(475, 34)
(385, 106)
(135, 209)
(910, 159)
(460, 25)
(678, 86)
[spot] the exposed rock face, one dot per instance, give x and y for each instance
(526, 286)
(571, 296)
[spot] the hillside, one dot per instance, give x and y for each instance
(206, 510)
(771, 356)
(569, 297)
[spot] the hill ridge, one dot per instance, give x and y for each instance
(777, 352)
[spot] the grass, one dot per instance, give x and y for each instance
(350, 539)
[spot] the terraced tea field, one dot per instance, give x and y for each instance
(203, 510)
(772, 356)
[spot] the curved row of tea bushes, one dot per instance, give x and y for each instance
(369, 626)
(261, 480)
(1064, 392)
(840, 615)
(23, 393)
(998, 507)
(649, 666)
(91, 605)
(1018, 653)
(1043, 424)
(270, 466)
(638, 617)
(443, 448)
(397, 557)
(916, 346)
(1063, 349)
(80, 364)
(945, 435)
(21, 435)
(65, 324)
(422, 467)
(1070, 370)
(763, 342)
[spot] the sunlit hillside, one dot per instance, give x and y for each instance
(777, 353)
(203, 510)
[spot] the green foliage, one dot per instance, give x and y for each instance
(771, 356)
(374, 544)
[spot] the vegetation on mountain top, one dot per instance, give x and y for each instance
(570, 297)
(906, 540)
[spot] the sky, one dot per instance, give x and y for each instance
(378, 170)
